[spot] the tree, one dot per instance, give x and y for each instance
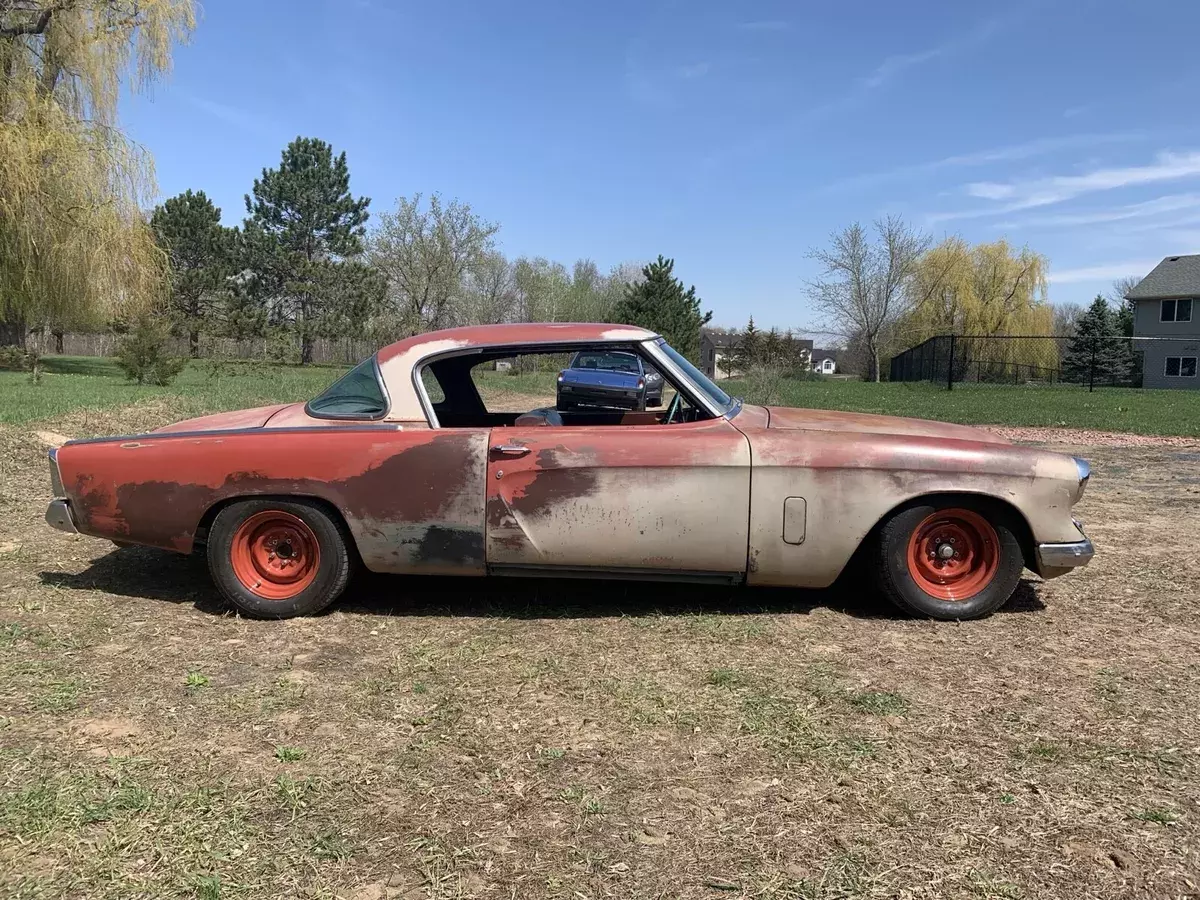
(863, 287)
(1097, 352)
(1126, 309)
(749, 348)
(1064, 318)
(142, 353)
(660, 303)
(981, 290)
(200, 250)
(489, 293)
(425, 253)
(304, 223)
(74, 246)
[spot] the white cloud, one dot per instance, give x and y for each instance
(1005, 153)
(1044, 191)
(894, 65)
(1106, 272)
(696, 70)
(1169, 203)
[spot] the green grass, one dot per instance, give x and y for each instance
(1062, 406)
(73, 383)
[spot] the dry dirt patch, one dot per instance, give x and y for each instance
(444, 738)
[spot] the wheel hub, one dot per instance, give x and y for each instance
(275, 555)
(953, 554)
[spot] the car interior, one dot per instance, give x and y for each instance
(453, 386)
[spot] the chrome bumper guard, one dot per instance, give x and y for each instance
(58, 515)
(1065, 556)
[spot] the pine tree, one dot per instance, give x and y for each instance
(188, 228)
(749, 349)
(303, 223)
(1098, 350)
(660, 303)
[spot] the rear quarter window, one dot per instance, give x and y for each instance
(356, 395)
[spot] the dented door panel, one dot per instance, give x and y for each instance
(662, 497)
(412, 498)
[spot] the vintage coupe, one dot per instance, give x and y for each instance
(402, 466)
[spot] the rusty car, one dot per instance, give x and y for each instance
(403, 466)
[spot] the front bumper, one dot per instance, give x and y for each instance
(58, 515)
(1065, 556)
(613, 398)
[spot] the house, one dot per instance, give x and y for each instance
(715, 348)
(824, 362)
(1167, 305)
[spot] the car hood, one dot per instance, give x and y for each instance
(865, 423)
(228, 421)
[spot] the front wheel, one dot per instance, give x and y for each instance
(949, 560)
(275, 559)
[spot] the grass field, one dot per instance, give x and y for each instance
(459, 739)
(86, 383)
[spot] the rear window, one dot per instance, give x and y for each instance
(612, 362)
(356, 395)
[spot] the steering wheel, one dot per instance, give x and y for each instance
(673, 409)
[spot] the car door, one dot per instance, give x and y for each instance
(619, 498)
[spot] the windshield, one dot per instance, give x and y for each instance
(698, 378)
(356, 395)
(607, 360)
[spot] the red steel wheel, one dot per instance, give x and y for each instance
(275, 555)
(953, 554)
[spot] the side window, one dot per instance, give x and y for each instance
(1176, 310)
(432, 388)
(517, 384)
(356, 395)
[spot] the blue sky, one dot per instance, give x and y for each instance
(733, 136)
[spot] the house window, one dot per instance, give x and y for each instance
(1181, 367)
(1176, 310)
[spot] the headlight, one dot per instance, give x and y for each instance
(1084, 470)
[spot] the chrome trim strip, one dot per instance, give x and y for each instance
(58, 515)
(258, 429)
(1065, 556)
(56, 483)
(616, 573)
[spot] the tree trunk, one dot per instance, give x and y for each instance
(194, 343)
(58, 341)
(12, 331)
(306, 350)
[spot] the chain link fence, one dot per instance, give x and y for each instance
(1091, 362)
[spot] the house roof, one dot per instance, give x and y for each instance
(820, 355)
(1175, 276)
(722, 340)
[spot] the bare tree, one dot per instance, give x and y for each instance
(425, 254)
(1065, 317)
(1121, 287)
(489, 294)
(861, 291)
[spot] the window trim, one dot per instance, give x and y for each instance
(642, 349)
(355, 417)
(1162, 309)
(1167, 363)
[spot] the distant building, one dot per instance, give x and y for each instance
(1166, 306)
(715, 348)
(825, 362)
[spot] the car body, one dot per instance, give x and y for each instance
(401, 465)
(609, 379)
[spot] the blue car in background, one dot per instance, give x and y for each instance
(609, 379)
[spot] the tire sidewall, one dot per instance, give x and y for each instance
(905, 591)
(332, 570)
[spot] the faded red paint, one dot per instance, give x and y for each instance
(412, 499)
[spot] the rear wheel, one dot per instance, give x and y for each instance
(952, 560)
(276, 559)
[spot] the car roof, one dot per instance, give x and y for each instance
(515, 333)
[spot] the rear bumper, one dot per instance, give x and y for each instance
(1065, 556)
(58, 515)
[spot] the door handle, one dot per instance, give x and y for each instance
(511, 450)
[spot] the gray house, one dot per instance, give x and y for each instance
(1167, 305)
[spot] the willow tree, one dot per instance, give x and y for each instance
(74, 245)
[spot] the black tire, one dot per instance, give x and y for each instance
(917, 525)
(332, 569)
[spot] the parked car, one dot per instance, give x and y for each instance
(402, 467)
(612, 379)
